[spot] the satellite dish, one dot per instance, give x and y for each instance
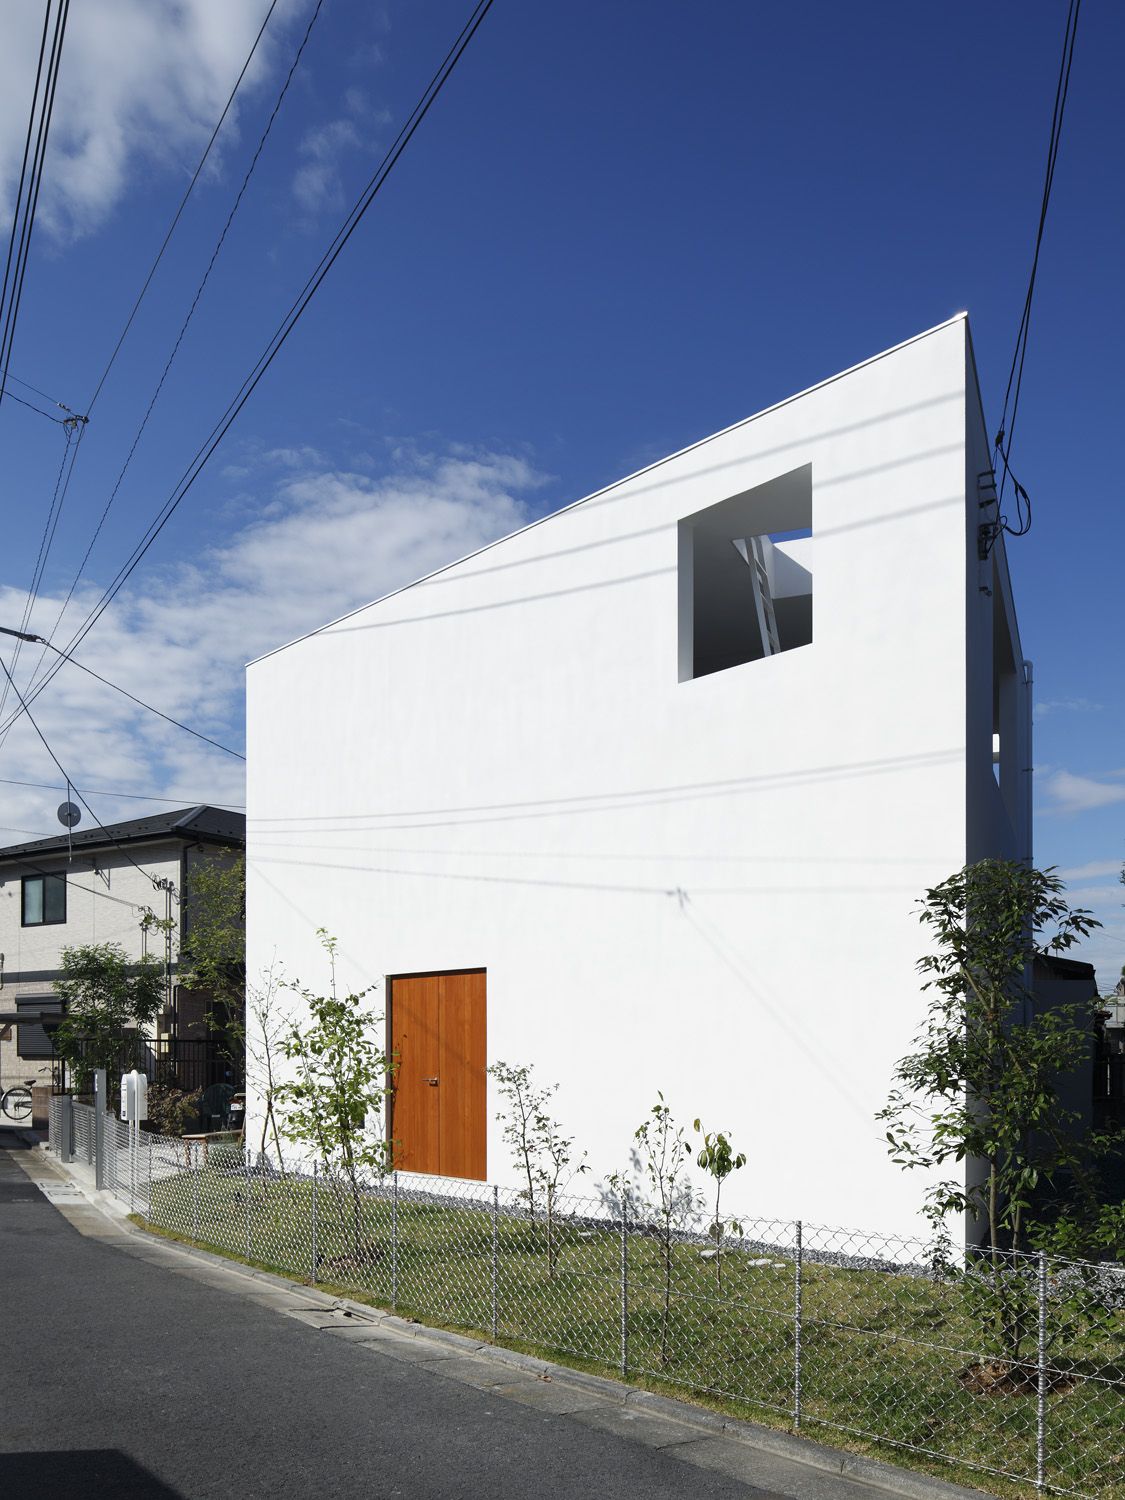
(69, 814)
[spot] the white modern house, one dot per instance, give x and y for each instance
(644, 794)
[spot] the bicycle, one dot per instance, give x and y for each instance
(15, 1102)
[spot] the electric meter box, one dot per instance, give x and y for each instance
(134, 1096)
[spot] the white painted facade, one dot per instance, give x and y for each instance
(702, 884)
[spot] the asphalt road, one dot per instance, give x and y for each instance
(130, 1369)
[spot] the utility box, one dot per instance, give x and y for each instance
(134, 1096)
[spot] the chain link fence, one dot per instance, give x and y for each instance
(1011, 1365)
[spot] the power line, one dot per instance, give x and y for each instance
(11, 395)
(87, 890)
(281, 334)
(38, 639)
(1005, 434)
(45, 541)
(182, 206)
(34, 182)
(16, 268)
(202, 285)
(48, 786)
(124, 332)
(16, 211)
(27, 385)
(67, 778)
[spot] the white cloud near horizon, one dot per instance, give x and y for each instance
(140, 86)
(330, 542)
(1093, 871)
(1066, 793)
(1067, 705)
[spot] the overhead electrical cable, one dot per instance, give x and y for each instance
(281, 334)
(49, 786)
(27, 199)
(72, 884)
(140, 702)
(124, 332)
(200, 288)
(1005, 434)
(17, 211)
(27, 385)
(32, 180)
(65, 774)
(89, 890)
(31, 406)
(183, 204)
(50, 525)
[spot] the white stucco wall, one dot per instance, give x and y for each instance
(705, 886)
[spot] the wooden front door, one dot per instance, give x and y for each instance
(438, 1116)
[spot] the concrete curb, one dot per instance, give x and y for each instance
(785, 1445)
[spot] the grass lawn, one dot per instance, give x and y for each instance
(881, 1353)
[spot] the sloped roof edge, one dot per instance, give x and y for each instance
(960, 317)
(202, 823)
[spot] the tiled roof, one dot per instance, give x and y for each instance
(208, 825)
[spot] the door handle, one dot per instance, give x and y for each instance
(431, 1081)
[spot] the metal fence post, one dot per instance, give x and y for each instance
(312, 1222)
(67, 1131)
(798, 1290)
(394, 1242)
(495, 1258)
(195, 1190)
(248, 1186)
(148, 1201)
(624, 1330)
(1041, 1391)
(99, 1128)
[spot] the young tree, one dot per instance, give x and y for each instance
(213, 946)
(107, 998)
(333, 1104)
(983, 1082)
(543, 1154)
(982, 1085)
(718, 1158)
(261, 1035)
(661, 1155)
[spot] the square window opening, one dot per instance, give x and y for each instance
(746, 576)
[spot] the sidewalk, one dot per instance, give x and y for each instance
(760, 1457)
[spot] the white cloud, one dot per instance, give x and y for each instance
(317, 183)
(1066, 705)
(1097, 897)
(333, 541)
(139, 84)
(1067, 793)
(1093, 870)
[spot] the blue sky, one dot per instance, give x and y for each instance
(621, 228)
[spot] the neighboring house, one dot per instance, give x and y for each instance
(96, 885)
(1109, 1061)
(645, 794)
(1056, 982)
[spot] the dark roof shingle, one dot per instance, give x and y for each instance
(204, 824)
